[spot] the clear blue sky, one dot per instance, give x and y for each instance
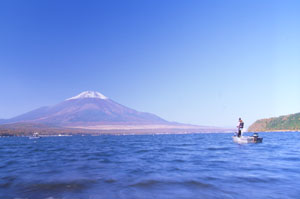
(200, 62)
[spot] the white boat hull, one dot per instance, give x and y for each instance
(34, 137)
(247, 139)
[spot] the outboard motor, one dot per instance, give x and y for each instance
(255, 136)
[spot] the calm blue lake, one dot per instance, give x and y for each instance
(208, 166)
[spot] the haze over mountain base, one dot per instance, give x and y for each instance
(27, 129)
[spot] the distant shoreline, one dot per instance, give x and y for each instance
(120, 132)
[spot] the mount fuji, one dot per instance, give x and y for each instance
(91, 111)
(87, 108)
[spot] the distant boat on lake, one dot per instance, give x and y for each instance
(35, 136)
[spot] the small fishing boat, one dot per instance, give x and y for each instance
(248, 139)
(35, 136)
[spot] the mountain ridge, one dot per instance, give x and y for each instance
(289, 122)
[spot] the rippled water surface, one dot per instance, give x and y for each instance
(150, 166)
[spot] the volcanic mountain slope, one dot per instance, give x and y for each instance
(92, 112)
(87, 108)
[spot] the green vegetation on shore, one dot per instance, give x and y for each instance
(283, 123)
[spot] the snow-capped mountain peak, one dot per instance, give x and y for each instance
(89, 94)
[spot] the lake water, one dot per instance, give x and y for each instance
(190, 166)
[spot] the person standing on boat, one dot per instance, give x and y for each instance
(240, 127)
